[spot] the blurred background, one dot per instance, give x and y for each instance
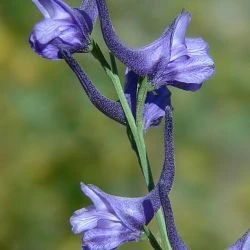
(51, 137)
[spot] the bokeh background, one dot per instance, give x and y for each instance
(51, 137)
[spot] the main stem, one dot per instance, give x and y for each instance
(139, 140)
(137, 131)
(97, 53)
(131, 122)
(142, 95)
(141, 98)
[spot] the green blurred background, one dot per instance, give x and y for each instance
(51, 137)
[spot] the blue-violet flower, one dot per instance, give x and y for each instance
(112, 220)
(172, 59)
(62, 28)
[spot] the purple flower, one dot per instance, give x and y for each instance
(243, 243)
(112, 220)
(170, 60)
(62, 28)
(155, 104)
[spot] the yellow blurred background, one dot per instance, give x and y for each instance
(51, 137)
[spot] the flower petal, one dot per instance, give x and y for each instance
(197, 47)
(53, 8)
(243, 243)
(98, 201)
(133, 212)
(155, 105)
(89, 7)
(130, 89)
(53, 28)
(59, 33)
(86, 219)
(179, 28)
(82, 220)
(188, 73)
(99, 239)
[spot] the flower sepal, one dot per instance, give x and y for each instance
(63, 27)
(112, 220)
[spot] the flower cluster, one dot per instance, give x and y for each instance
(171, 60)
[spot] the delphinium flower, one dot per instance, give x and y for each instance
(65, 31)
(63, 28)
(172, 59)
(113, 220)
(243, 243)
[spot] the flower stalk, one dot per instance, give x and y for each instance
(153, 241)
(142, 94)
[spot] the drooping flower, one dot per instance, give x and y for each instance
(62, 28)
(243, 243)
(112, 221)
(155, 104)
(172, 59)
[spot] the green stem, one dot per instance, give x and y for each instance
(154, 243)
(163, 229)
(137, 133)
(116, 81)
(141, 98)
(113, 63)
(97, 53)
(142, 95)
